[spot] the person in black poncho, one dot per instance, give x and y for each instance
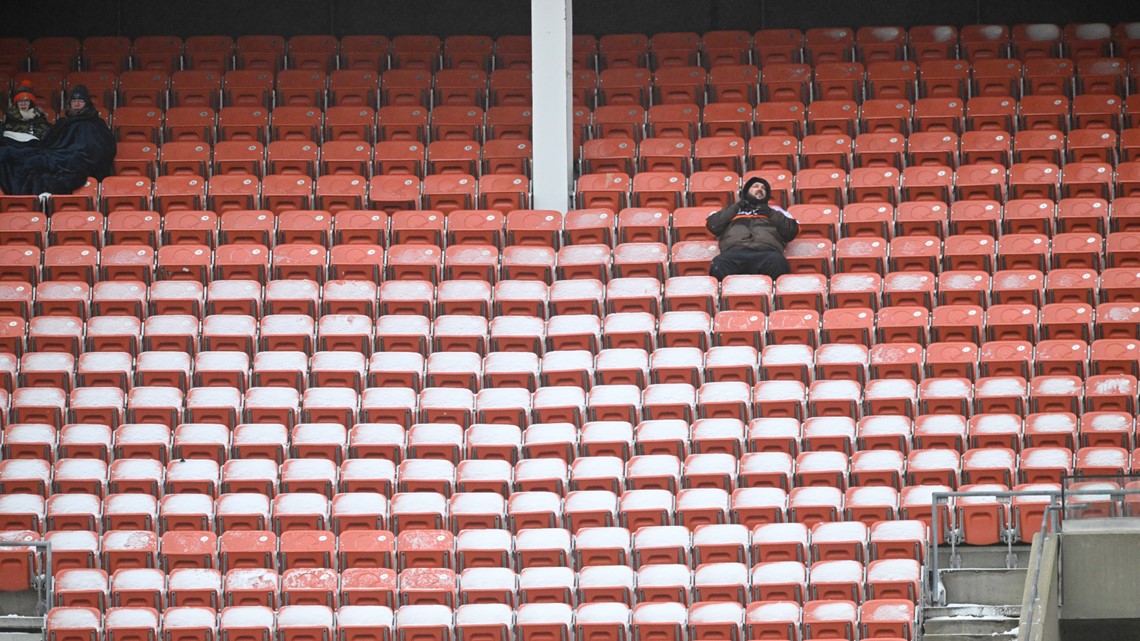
(79, 145)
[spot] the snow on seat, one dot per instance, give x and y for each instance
(720, 543)
(780, 542)
(772, 619)
(300, 511)
(432, 622)
(81, 587)
(131, 622)
(505, 406)
(882, 468)
(771, 469)
(930, 466)
(664, 582)
(727, 398)
(193, 587)
(660, 621)
(243, 511)
(821, 469)
(661, 544)
(616, 402)
(559, 404)
(602, 545)
(250, 475)
(25, 476)
(554, 584)
(788, 362)
(840, 540)
(779, 581)
(870, 504)
(645, 508)
(252, 586)
(894, 579)
(605, 583)
(477, 510)
(426, 475)
(829, 618)
(359, 622)
(542, 547)
(484, 621)
(247, 621)
(601, 621)
(721, 582)
(486, 444)
(309, 587)
(779, 399)
(903, 539)
(298, 622)
(425, 549)
(884, 397)
(136, 475)
(308, 474)
(991, 465)
(68, 511)
(541, 621)
(883, 618)
(699, 506)
(488, 585)
(755, 506)
(73, 549)
(190, 622)
(836, 580)
(72, 623)
(653, 471)
(528, 510)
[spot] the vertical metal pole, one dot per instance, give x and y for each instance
(49, 581)
(935, 579)
(551, 26)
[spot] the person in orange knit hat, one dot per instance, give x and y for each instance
(24, 119)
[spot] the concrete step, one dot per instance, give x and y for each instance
(1010, 636)
(17, 624)
(934, 611)
(985, 626)
(21, 636)
(983, 586)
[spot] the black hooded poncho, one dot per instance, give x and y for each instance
(78, 146)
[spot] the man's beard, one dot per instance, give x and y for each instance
(753, 200)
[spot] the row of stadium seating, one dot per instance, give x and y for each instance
(612, 87)
(815, 45)
(884, 619)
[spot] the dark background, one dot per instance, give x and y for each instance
(81, 18)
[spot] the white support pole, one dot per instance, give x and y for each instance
(551, 26)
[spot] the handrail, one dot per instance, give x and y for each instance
(938, 499)
(44, 587)
(1050, 522)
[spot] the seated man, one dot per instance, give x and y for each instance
(78, 146)
(752, 234)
